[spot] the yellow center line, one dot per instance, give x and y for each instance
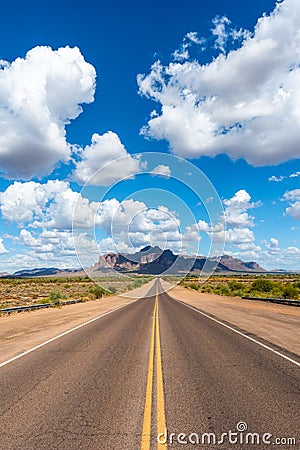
(161, 417)
(160, 411)
(146, 431)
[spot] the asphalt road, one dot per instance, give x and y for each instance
(154, 364)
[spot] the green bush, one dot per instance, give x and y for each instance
(207, 289)
(97, 291)
(235, 285)
(262, 285)
(222, 289)
(112, 289)
(240, 293)
(42, 301)
(56, 296)
(290, 291)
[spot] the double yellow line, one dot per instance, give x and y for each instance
(160, 403)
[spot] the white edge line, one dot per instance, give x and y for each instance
(240, 333)
(62, 334)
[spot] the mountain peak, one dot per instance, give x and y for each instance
(145, 249)
(150, 249)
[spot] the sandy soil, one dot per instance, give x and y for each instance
(278, 324)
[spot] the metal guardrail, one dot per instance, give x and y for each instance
(37, 306)
(282, 301)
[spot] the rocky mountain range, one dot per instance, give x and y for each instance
(153, 260)
(149, 260)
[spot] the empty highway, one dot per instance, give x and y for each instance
(153, 365)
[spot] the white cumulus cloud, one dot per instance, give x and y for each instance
(190, 38)
(49, 205)
(244, 103)
(233, 227)
(39, 95)
(3, 250)
(130, 225)
(219, 30)
(236, 208)
(161, 170)
(46, 214)
(294, 175)
(105, 161)
(276, 179)
(224, 32)
(270, 255)
(293, 197)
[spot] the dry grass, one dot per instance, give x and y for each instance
(238, 285)
(27, 291)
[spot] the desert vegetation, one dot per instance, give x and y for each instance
(268, 286)
(28, 291)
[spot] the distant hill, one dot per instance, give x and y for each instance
(38, 272)
(4, 274)
(43, 272)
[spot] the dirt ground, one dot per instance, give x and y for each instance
(278, 324)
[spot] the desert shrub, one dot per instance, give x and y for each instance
(112, 289)
(42, 301)
(290, 291)
(222, 289)
(262, 285)
(240, 293)
(235, 285)
(97, 291)
(56, 296)
(207, 289)
(194, 286)
(277, 291)
(137, 283)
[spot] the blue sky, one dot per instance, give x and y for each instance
(213, 83)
